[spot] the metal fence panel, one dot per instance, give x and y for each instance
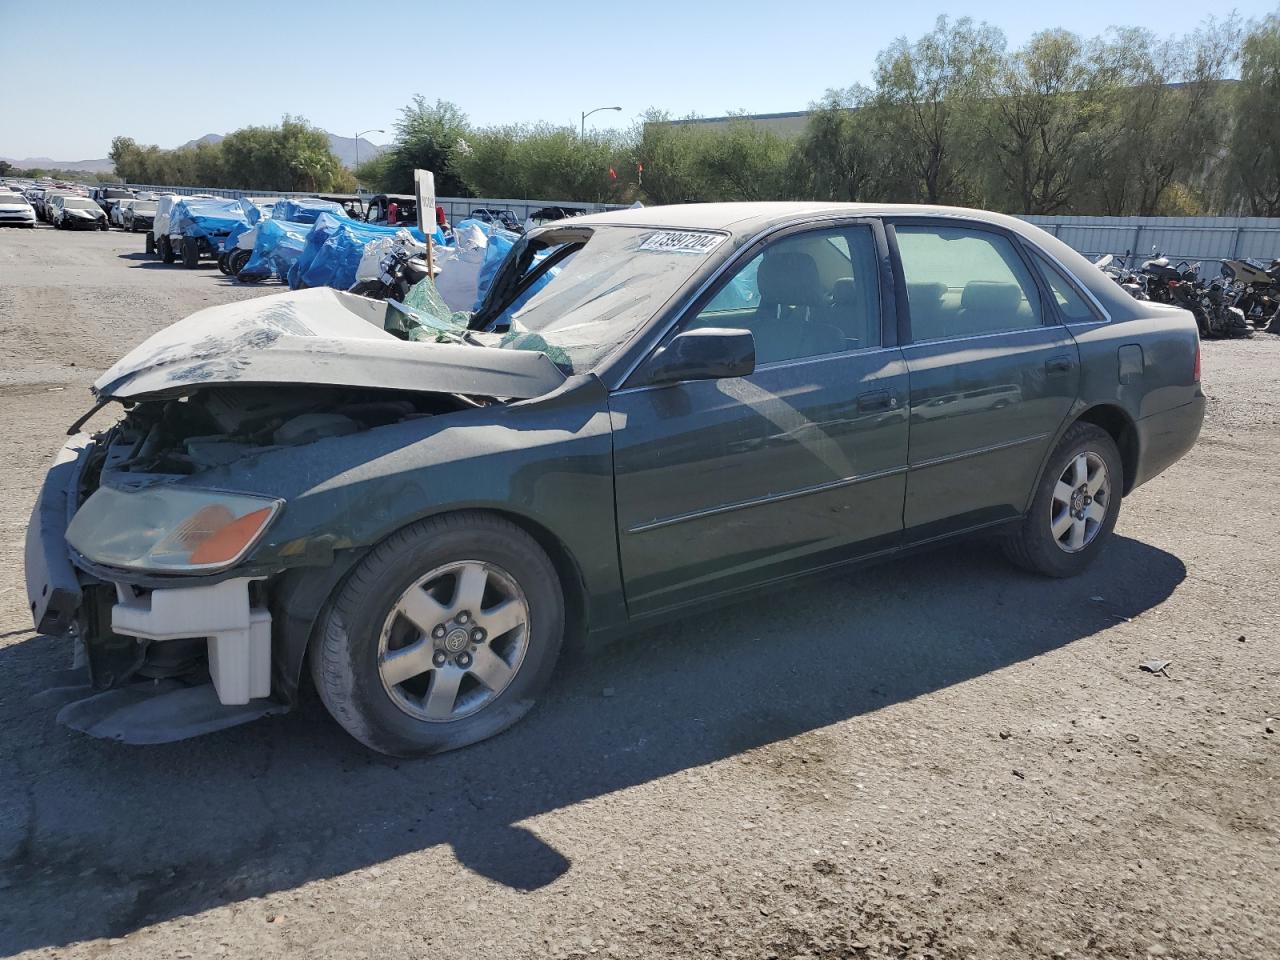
(1208, 239)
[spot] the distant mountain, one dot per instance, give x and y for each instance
(344, 148)
(85, 166)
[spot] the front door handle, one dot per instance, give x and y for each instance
(1058, 365)
(877, 400)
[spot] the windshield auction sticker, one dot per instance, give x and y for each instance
(671, 241)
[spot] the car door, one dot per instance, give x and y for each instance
(993, 374)
(725, 483)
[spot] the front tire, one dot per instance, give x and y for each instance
(151, 243)
(165, 246)
(442, 636)
(1075, 506)
(190, 253)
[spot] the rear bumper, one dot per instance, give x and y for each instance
(1164, 438)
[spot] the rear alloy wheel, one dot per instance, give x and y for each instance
(442, 636)
(1075, 507)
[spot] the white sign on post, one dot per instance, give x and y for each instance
(424, 186)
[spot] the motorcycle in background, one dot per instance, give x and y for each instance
(1255, 289)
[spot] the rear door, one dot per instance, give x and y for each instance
(722, 484)
(993, 374)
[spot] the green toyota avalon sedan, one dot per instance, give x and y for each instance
(651, 410)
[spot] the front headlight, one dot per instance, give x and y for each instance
(170, 529)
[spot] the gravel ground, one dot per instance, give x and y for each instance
(938, 757)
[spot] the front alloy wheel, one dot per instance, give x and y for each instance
(443, 635)
(454, 641)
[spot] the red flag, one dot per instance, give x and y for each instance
(613, 174)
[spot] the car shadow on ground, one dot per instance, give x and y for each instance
(107, 838)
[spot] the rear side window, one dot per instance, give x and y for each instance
(1071, 305)
(964, 283)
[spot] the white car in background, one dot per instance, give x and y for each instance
(15, 210)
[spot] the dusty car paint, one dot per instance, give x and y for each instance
(652, 498)
(318, 336)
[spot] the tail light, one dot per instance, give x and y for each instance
(1173, 284)
(1195, 370)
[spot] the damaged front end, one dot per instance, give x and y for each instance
(168, 547)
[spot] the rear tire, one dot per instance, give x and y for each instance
(190, 253)
(151, 243)
(1084, 474)
(365, 624)
(165, 246)
(236, 261)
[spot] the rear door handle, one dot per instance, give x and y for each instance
(1058, 365)
(877, 400)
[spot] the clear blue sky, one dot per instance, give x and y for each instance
(169, 72)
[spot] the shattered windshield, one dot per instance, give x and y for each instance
(608, 280)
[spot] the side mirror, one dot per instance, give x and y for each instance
(711, 353)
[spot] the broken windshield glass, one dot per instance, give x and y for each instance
(610, 280)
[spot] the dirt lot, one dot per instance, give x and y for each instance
(939, 757)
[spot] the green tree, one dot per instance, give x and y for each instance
(427, 137)
(928, 99)
(839, 157)
(1165, 117)
(1252, 169)
(1045, 102)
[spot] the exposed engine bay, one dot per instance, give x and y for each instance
(220, 425)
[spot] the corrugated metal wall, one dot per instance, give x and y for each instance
(1178, 238)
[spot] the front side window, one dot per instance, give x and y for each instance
(806, 295)
(963, 283)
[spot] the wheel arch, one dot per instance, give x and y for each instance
(1115, 420)
(299, 596)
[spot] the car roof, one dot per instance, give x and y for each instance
(742, 219)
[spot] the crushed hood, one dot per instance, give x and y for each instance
(319, 336)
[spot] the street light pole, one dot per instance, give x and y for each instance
(358, 136)
(582, 131)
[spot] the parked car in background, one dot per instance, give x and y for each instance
(503, 218)
(45, 211)
(352, 204)
(108, 197)
(393, 209)
(701, 401)
(545, 215)
(16, 210)
(138, 215)
(35, 196)
(78, 213)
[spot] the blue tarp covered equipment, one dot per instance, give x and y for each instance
(277, 245)
(205, 218)
(305, 209)
(332, 251)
